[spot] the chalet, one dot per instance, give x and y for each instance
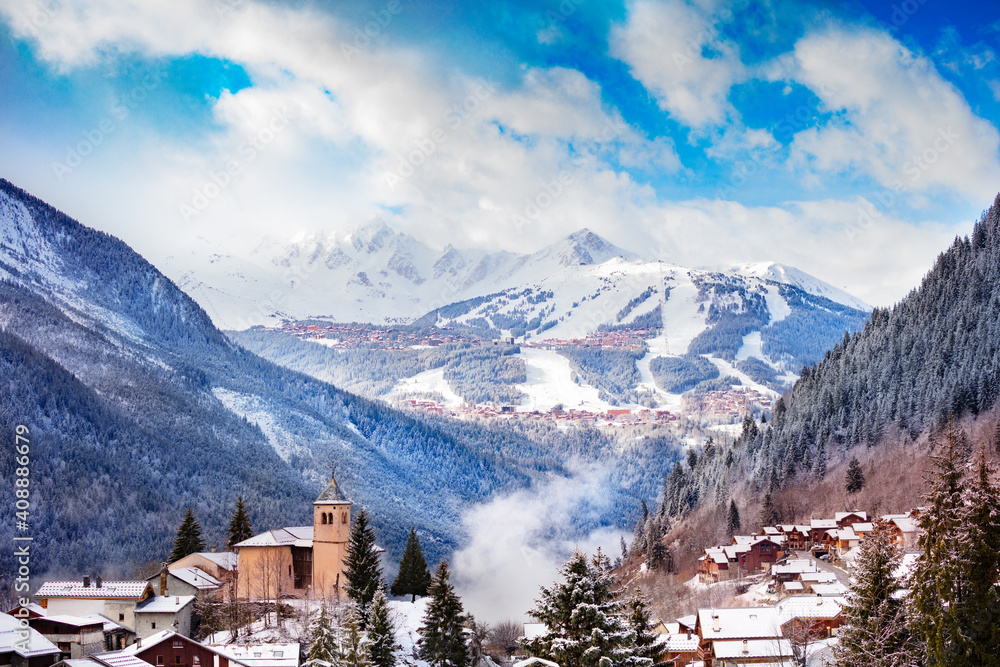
(844, 540)
(679, 648)
(792, 569)
(903, 530)
(23, 646)
(723, 631)
(115, 600)
(713, 566)
(845, 519)
(299, 560)
(796, 537)
(820, 615)
(169, 649)
(818, 529)
(171, 612)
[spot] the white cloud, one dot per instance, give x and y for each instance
(664, 44)
(895, 117)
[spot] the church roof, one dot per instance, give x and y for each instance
(333, 493)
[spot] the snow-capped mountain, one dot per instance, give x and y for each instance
(377, 275)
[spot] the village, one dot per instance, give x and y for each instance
(792, 581)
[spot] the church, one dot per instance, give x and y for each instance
(299, 561)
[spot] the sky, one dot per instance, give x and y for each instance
(852, 140)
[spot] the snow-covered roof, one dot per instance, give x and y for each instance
(846, 534)
(752, 648)
(739, 623)
(80, 662)
(260, 655)
(718, 555)
(149, 642)
(535, 661)
(107, 589)
(227, 560)
(12, 639)
(808, 606)
(679, 642)
(33, 607)
(794, 566)
(295, 536)
(768, 530)
(905, 524)
(109, 625)
(819, 577)
(794, 586)
(75, 621)
(825, 524)
(332, 494)
(689, 621)
(164, 604)
(835, 589)
(843, 515)
(863, 527)
(121, 658)
(196, 577)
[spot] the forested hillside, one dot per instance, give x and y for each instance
(933, 356)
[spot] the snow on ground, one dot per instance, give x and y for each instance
(727, 368)
(681, 319)
(256, 411)
(657, 348)
(408, 616)
(427, 382)
(732, 430)
(776, 305)
(752, 347)
(549, 383)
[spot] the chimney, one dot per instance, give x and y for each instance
(86, 581)
(163, 579)
(98, 582)
(746, 648)
(819, 600)
(716, 626)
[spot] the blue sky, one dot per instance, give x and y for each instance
(849, 139)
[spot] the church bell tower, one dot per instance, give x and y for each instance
(331, 533)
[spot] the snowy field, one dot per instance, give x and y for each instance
(549, 383)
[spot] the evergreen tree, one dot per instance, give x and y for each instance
(239, 525)
(354, 650)
(768, 516)
(874, 630)
(656, 551)
(382, 646)
(733, 524)
(641, 639)
(855, 476)
(363, 571)
(323, 640)
(936, 575)
(442, 634)
(583, 617)
(413, 577)
(188, 540)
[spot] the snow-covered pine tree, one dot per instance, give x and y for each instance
(976, 609)
(323, 638)
(874, 630)
(382, 646)
(937, 571)
(239, 525)
(640, 642)
(413, 577)
(583, 616)
(189, 539)
(354, 647)
(855, 479)
(768, 516)
(442, 634)
(363, 571)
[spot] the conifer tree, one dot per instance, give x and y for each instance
(656, 551)
(442, 634)
(874, 630)
(583, 617)
(323, 644)
(855, 480)
(239, 525)
(362, 571)
(188, 540)
(935, 575)
(640, 641)
(413, 577)
(354, 649)
(733, 524)
(768, 517)
(382, 646)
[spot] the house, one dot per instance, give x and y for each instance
(722, 631)
(185, 581)
(76, 636)
(845, 519)
(903, 530)
(818, 529)
(299, 560)
(796, 537)
(713, 566)
(169, 649)
(171, 612)
(792, 569)
(221, 565)
(115, 600)
(818, 614)
(844, 540)
(679, 648)
(23, 646)
(261, 655)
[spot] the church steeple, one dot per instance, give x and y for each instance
(331, 532)
(332, 493)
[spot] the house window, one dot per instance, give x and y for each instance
(159, 659)
(279, 654)
(179, 659)
(153, 625)
(256, 655)
(178, 643)
(121, 617)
